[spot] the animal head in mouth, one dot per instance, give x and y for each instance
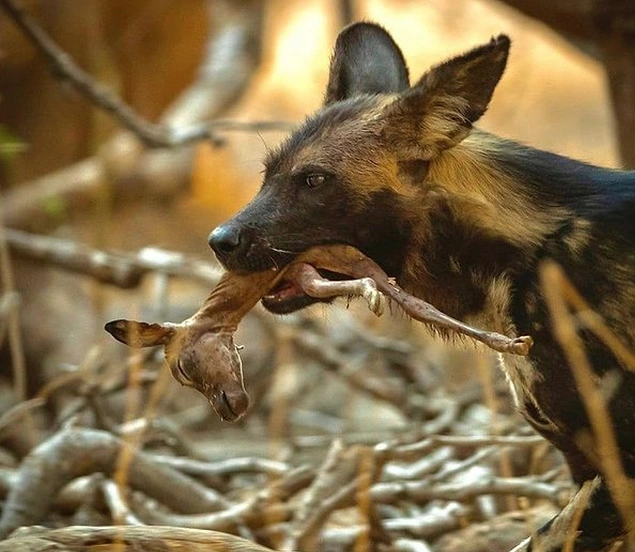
(211, 365)
(207, 361)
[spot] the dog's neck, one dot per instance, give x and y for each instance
(491, 206)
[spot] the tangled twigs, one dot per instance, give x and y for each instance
(333, 481)
(72, 453)
(268, 506)
(314, 346)
(292, 509)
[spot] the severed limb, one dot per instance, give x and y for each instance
(201, 353)
(425, 312)
(348, 260)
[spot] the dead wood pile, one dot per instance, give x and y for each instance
(354, 439)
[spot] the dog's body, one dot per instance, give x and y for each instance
(463, 219)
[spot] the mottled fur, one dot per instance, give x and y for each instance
(463, 219)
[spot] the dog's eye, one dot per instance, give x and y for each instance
(315, 180)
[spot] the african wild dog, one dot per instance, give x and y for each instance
(461, 218)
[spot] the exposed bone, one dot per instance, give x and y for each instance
(201, 353)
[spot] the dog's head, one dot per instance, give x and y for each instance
(353, 173)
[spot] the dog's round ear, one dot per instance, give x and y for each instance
(366, 60)
(438, 111)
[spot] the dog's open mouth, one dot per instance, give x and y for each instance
(287, 296)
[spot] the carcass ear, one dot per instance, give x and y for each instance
(439, 110)
(140, 334)
(366, 60)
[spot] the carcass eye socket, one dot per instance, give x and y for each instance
(184, 377)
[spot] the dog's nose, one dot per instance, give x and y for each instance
(225, 240)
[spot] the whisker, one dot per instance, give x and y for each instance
(280, 250)
(273, 260)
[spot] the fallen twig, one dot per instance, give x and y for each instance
(76, 452)
(119, 509)
(314, 346)
(397, 449)
(16, 347)
(149, 539)
(438, 520)
(224, 467)
(13, 419)
(330, 488)
(269, 506)
(421, 491)
(122, 269)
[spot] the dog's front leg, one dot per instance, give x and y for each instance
(589, 523)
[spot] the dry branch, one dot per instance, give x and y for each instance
(232, 57)
(331, 359)
(152, 135)
(407, 448)
(16, 347)
(268, 506)
(76, 452)
(224, 467)
(117, 504)
(422, 491)
(331, 487)
(603, 29)
(294, 506)
(124, 270)
(125, 539)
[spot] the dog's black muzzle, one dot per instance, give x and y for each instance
(244, 248)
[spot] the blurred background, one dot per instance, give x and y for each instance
(254, 68)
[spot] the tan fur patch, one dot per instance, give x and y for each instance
(519, 371)
(488, 198)
(579, 236)
(440, 129)
(495, 314)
